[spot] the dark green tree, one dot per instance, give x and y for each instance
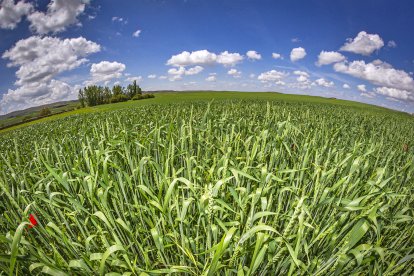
(117, 90)
(81, 97)
(107, 94)
(45, 112)
(133, 90)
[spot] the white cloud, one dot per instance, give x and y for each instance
(11, 13)
(116, 18)
(271, 76)
(162, 77)
(204, 57)
(301, 73)
(303, 76)
(368, 94)
(362, 88)
(119, 19)
(252, 76)
(276, 56)
(253, 55)
(392, 44)
(152, 76)
(229, 59)
(364, 44)
(378, 73)
(346, 86)
(303, 81)
(59, 15)
(197, 57)
(211, 78)
(137, 79)
(178, 73)
(297, 54)
(35, 94)
(105, 71)
(233, 72)
(324, 83)
(41, 58)
(326, 58)
(295, 40)
(136, 33)
(194, 70)
(395, 93)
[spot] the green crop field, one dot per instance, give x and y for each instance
(245, 184)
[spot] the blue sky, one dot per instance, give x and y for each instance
(357, 50)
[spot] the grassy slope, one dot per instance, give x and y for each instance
(169, 97)
(34, 112)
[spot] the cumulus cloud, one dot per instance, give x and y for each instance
(253, 55)
(105, 71)
(211, 78)
(11, 13)
(59, 15)
(178, 73)
(324, 83)
(303, 81)
(117, 19)
(392, 44)
(362, 88)
(204, 57)
(303, 76)
(136, 33)
(297, 54)
(152, 76)
(369, 94)
(132, 79)
(39, 61)
(346, 86)
(229, 59)
(378, 73)
(235, 73)
(42, 58)
(276, 56)
(197, 57)
(194, 70)
(395, 93)
(326, 58)
(37, 93)
(364, 44)
(271, 76)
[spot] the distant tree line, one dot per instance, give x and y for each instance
(96, 95)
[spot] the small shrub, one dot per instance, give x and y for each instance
(26, 118)
(137, 97)
(45, 112)
(142, 97)
(119, 98)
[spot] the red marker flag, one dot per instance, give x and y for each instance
(33, 221)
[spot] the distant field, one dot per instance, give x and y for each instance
(171, 97)
(18, 117)
(210, 184)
